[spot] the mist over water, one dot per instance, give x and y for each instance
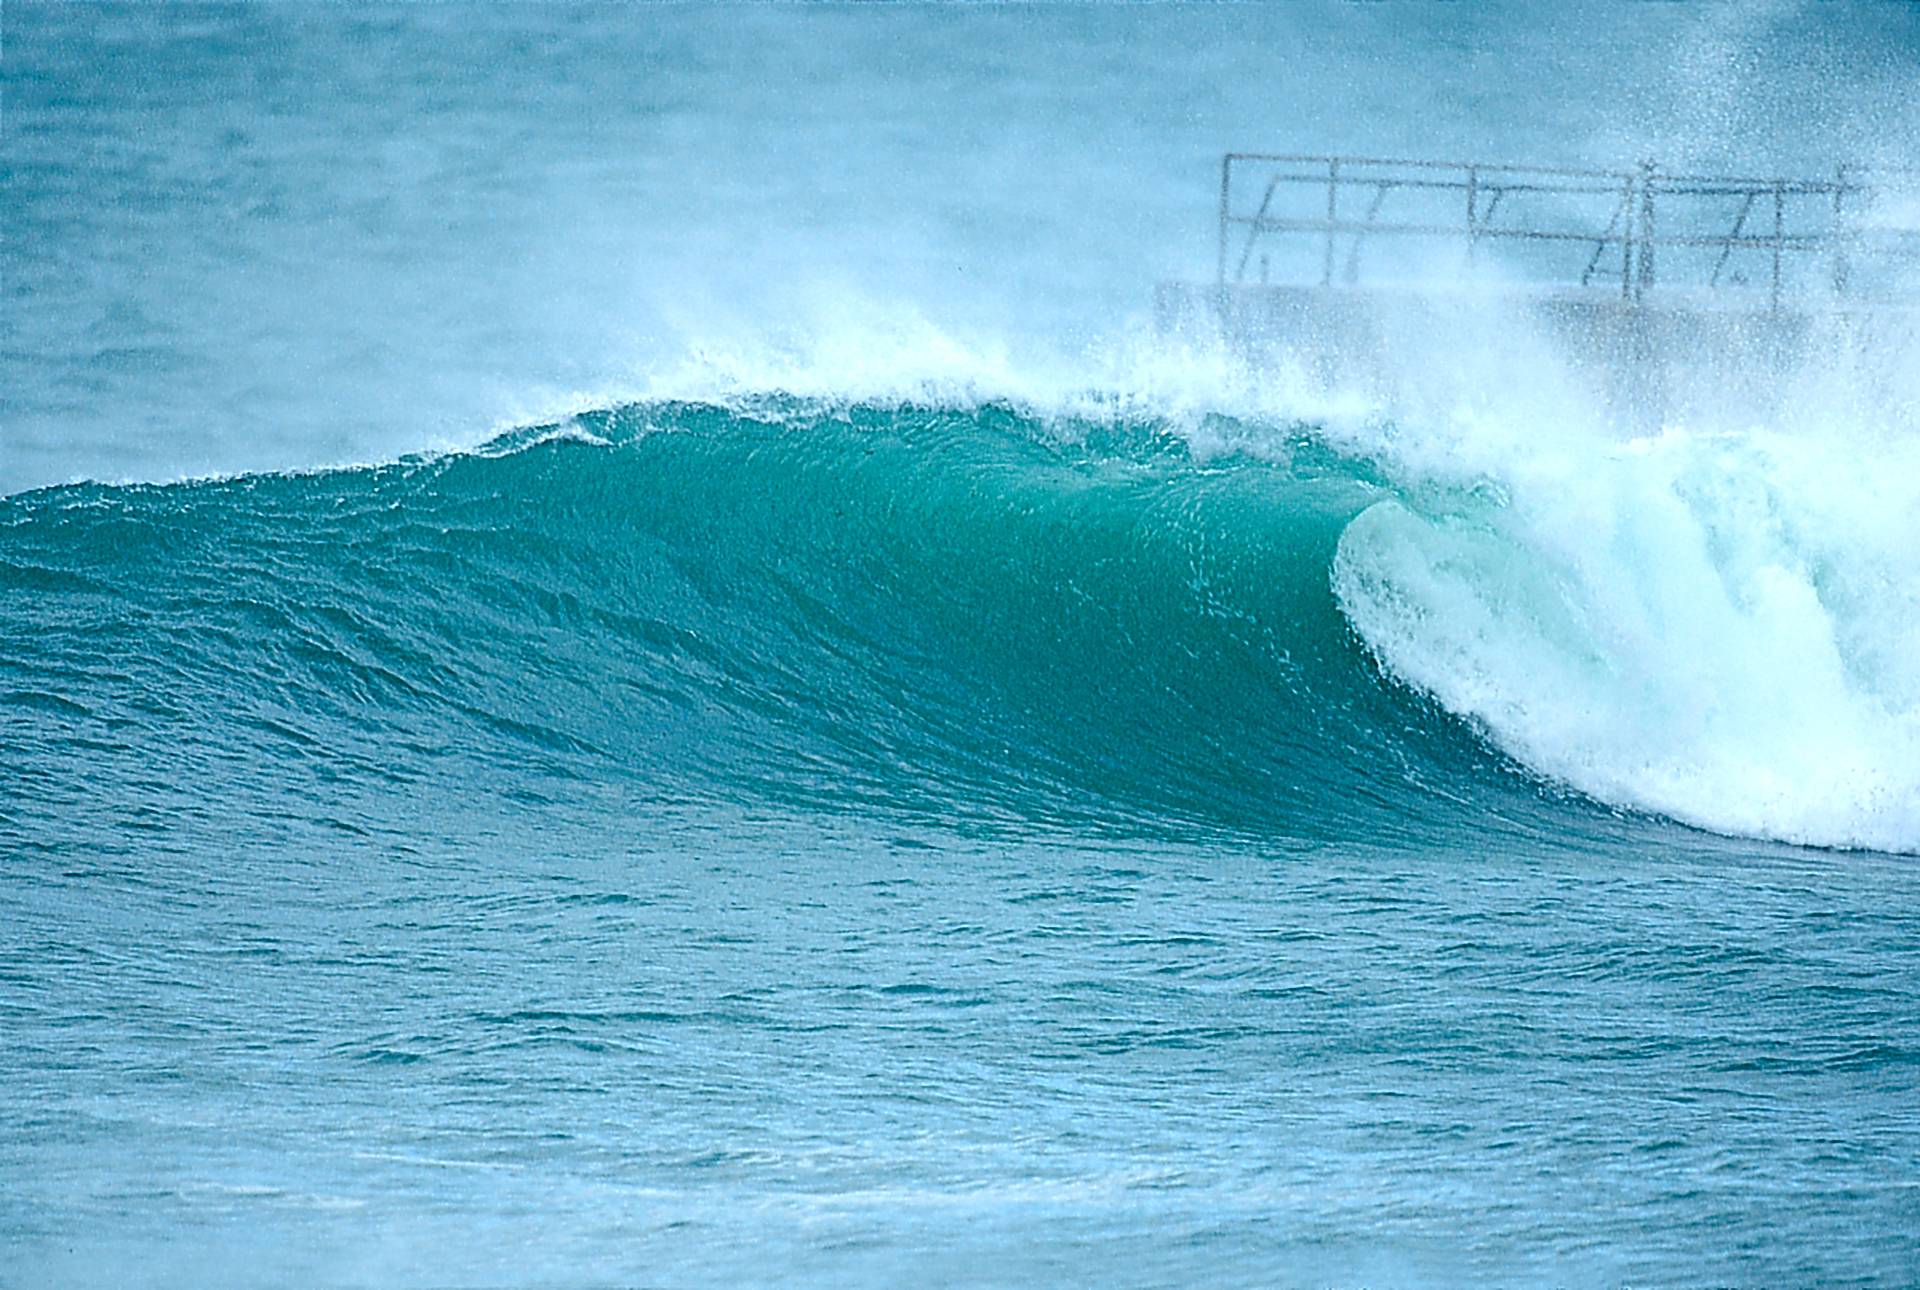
(627, 659)
(282, 236)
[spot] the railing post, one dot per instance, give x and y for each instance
(1779, 236)
(1333, 208)
(1473, 215)
(1646, 232)
(1226, 183)
(1841, 269)
(1627, 225)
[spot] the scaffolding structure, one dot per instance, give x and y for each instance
(1624, 230)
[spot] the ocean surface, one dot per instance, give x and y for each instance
(624, 661)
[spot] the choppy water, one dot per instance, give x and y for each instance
(905, 777)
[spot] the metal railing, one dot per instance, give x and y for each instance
(1618, 226)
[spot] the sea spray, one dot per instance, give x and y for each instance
(1715, 626)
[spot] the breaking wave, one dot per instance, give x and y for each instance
(959, 607)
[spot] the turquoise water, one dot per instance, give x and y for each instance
(881, 770)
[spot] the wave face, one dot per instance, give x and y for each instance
(955, 609)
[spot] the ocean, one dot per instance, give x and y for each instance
(625, 660)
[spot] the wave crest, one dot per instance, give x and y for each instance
(969, 609)
(1719, 628)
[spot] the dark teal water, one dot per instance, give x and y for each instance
(623, 663)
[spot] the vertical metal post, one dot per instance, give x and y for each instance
(1226, 182)
(1646, 232)
(1626, 240)
(1841, 269)
(1779, 236)
(1473, 215)
(1333, 209)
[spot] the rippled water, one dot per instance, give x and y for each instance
(786, 1052)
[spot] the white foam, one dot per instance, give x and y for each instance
(1719, 626)
(840, 346)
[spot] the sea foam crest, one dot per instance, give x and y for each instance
(848, 348)
(1721, 627)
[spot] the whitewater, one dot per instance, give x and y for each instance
(624, 663)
